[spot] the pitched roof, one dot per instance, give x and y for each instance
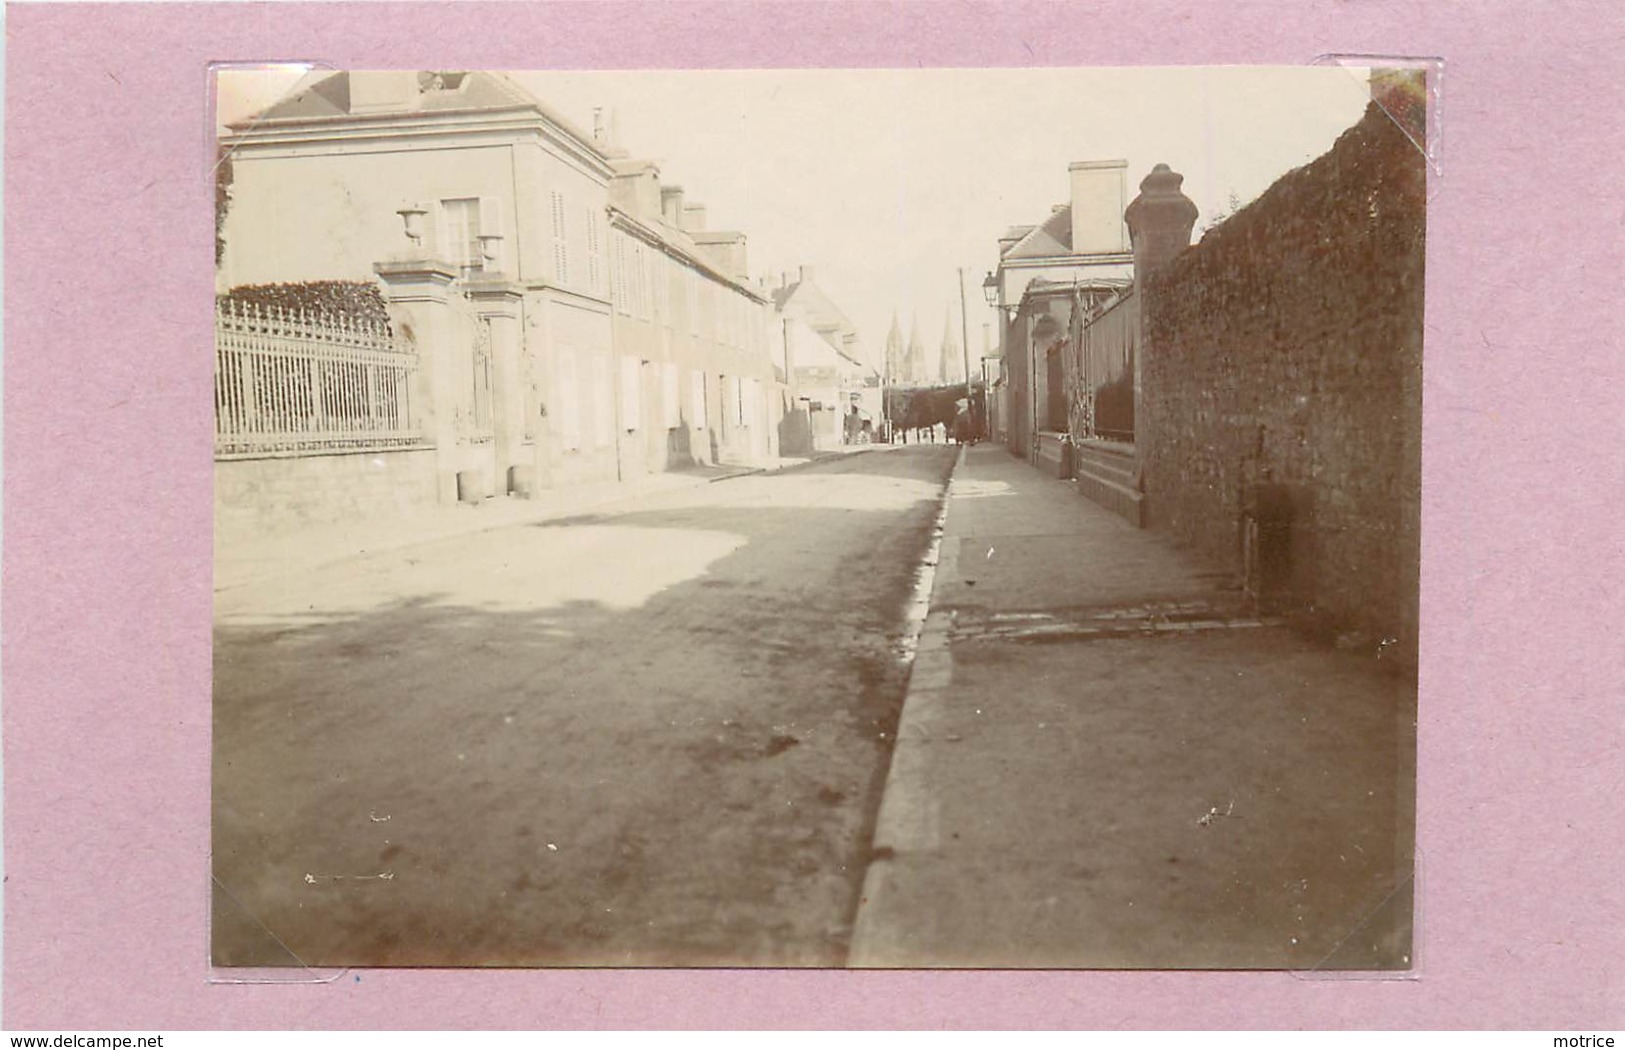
(821, 311)
(1052, 237)
(328, 95)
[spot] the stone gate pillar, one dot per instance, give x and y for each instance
(1159, 224)
(497, 300)
(418, 294)
(1159, 221)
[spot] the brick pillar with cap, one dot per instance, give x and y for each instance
(1159, 223)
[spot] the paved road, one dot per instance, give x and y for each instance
(651, 736)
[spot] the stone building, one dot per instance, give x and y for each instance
(1079, 255)
(573, 319)
(685, 311)
(821, 350)
(1256, 396)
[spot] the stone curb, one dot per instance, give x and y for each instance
(907, 820)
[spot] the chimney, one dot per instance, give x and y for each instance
(1160, 221)
(599, 137)
(806, 274)
(1099, 191)
(671, 205)
(635, 188)
(693, 217)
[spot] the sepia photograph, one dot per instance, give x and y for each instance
(817, 518)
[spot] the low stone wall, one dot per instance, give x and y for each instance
(275, 494)
(1105, 472)
(1053, 456)
(1281, 377)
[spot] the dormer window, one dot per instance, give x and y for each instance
(438, 81)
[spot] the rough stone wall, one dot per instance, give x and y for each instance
(280, 493)
(1286, 348)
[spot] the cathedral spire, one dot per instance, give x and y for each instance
(894, 351)
(914, 366)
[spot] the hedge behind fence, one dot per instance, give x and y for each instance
(354, 300)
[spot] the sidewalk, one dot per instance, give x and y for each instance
(1105, 762)
(243, 556)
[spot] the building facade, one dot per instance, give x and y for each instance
(570, 326)
(820, 352)
(1257, 395)
(1077, 257)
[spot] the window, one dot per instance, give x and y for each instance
(692, 279)
(460, 228)
(561, 242)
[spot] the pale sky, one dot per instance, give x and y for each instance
(886, 181)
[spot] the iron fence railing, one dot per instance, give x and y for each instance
(291, 381)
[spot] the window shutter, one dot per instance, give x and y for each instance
(561, 243)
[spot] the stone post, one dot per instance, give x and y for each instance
(1159, 223)
(417, 290)
(496, 300)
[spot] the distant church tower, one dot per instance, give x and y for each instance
(914, 369)
(894, 352)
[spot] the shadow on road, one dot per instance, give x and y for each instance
(457, 755)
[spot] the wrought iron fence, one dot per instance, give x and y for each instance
(291, 381)
(1103, 367)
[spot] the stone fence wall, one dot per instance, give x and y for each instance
(1279, 423)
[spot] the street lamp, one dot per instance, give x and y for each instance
(990, 289)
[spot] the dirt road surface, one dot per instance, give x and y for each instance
(650, 736)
